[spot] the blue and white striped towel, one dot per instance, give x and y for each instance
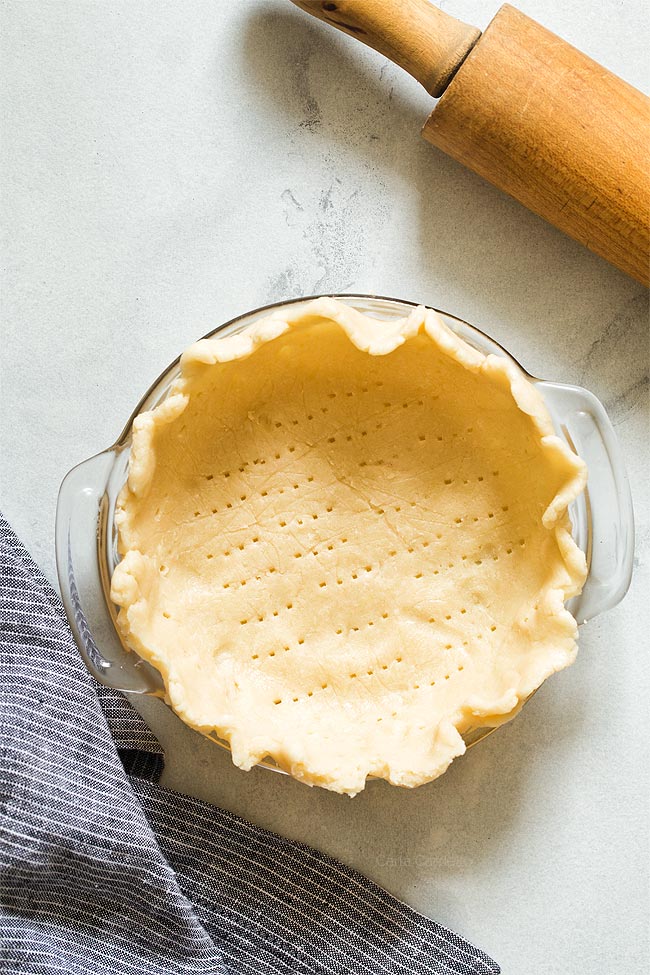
(103, 871)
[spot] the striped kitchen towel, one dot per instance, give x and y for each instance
(103, 871)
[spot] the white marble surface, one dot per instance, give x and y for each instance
(167, 165)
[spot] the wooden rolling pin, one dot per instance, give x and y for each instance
(526, 111)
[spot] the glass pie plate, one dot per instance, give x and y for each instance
(86, 537)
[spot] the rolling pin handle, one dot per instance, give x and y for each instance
(416, 35)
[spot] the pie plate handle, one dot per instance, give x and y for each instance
(602, 518)
(84, 518)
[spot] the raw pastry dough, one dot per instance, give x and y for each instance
(345, 542)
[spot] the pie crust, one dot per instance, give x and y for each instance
(345, 542)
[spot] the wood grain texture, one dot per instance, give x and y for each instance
(556, 131)
(426, 42)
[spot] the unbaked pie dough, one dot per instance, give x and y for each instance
(345, 543)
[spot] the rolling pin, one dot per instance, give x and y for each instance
(528, 112)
